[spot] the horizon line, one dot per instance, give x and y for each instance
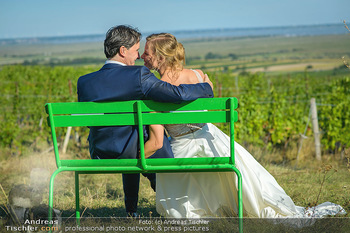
(172, 31)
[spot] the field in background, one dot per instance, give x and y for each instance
(268, 54)
(290, 70)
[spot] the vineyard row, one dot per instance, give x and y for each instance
(273, 111)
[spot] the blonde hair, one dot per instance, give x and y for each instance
(165, 45)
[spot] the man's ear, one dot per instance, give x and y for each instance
(122, 51)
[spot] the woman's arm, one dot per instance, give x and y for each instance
(155, 89)
(155, 140)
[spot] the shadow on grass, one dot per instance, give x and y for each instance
(113, 219)
(107, 212)
(160, 224)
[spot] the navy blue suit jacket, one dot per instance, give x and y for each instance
(114, 82)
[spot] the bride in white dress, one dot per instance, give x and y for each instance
(196, 195)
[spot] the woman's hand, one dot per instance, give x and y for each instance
(207, 80)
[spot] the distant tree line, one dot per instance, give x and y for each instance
(212, 55)
(63, 62)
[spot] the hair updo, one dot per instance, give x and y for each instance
(165, 45)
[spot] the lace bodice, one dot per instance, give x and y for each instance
(176, 130)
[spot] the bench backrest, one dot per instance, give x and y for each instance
(141, 112)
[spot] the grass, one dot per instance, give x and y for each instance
(102, 195)
(307, 182)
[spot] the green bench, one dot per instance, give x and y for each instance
(140, 113)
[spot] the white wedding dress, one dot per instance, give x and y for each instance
(199, 195)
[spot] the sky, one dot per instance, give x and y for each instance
(46, 18)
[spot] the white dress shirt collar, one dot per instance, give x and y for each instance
(114, 62)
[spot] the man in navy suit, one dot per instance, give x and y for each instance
(120, 80)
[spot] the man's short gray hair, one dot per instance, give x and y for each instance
(119, 36)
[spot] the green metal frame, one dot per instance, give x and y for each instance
(143, 112)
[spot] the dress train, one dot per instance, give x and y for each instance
(198, 195)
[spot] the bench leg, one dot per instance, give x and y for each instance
(77, 206)
(240, 202)
(50, 198)
(50, 210)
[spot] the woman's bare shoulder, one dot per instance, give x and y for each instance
(166, 79)
(186, 76)
(190, 72)
(200, 72)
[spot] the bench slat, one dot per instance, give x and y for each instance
(130, 106)
(149, 162)
(152, 169)
(165, 165)
(148, 118)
